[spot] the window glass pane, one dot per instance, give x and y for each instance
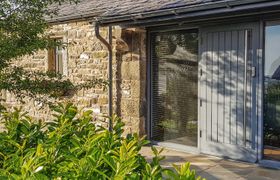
(175, 79)
(272, 93)
(59, 58)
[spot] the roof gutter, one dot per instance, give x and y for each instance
(110, 70)
(207, 9)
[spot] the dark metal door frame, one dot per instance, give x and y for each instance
(259, 74)
(183, 148)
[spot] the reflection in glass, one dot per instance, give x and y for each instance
(272, 93)
(58, 57)
(175, 78)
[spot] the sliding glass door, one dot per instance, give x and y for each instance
(175, 87)
(272, 92)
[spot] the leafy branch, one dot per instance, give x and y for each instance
(41, 86)
(23, 28)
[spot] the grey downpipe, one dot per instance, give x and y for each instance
(110, 70)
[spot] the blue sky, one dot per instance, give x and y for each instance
(272, 49)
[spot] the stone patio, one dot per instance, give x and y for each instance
(213, 168)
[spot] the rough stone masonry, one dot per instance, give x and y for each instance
(85, 57)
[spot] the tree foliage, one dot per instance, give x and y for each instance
(23, 32)
(23, 26)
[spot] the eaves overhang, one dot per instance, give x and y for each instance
(198, 12)
(221, 10)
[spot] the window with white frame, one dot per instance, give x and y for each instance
(56, 57)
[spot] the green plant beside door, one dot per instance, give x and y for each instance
(72, 146)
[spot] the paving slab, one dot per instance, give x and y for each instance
(215, 168)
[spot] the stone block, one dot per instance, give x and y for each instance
(130, 70)
(100, 54)
(130, 107)
(136, 89)
(102, 100)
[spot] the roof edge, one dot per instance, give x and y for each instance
(107, 20)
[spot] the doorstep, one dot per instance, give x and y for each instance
(213, 168)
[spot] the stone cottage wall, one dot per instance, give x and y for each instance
(130, 81)
(87, 58)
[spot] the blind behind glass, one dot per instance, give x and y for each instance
(174, 87)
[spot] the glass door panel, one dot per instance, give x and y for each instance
(272, 92)
(175, 87)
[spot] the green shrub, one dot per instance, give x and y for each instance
(71, 146)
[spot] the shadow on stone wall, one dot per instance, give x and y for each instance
(130, 102)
